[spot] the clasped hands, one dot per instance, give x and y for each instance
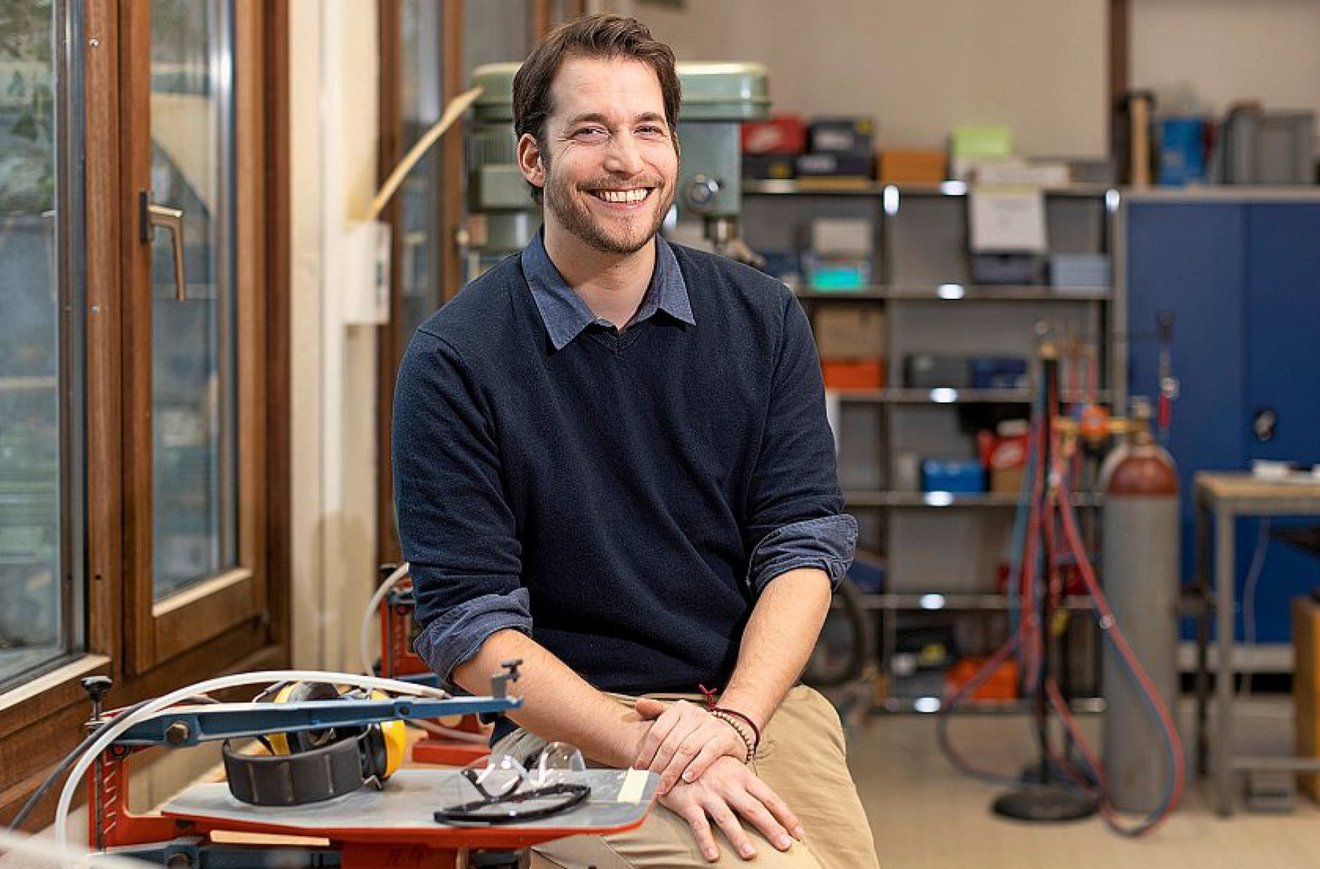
(703, 779)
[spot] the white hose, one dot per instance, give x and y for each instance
(364, 629)
(364, 654)
(261, 677)
(18, 850)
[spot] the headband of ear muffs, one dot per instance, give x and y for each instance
(308, 766)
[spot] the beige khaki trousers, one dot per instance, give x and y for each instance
(802, 757)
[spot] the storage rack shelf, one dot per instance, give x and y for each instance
(949, 395)
(941, 547)
(930, 705)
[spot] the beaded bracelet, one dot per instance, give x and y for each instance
(756, 731)
(740, 729)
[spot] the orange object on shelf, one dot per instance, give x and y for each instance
(912, 166)
(1002, 684)
(846, 374)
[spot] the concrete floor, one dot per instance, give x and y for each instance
(925, 813)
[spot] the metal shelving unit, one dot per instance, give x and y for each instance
(940, 548)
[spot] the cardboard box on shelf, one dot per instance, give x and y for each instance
(842, 236)
(912, 166)
(849, 330)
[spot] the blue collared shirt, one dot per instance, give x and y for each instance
(566, 315)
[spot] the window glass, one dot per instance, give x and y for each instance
(194, 509)
(421, 103)
(39, 266)
(495, 30)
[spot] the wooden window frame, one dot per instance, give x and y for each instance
(229, 624)
(163, 629)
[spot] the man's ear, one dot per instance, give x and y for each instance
(529, 160)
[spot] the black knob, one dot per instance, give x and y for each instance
(97, 686)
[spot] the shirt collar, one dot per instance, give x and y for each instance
(565, 314)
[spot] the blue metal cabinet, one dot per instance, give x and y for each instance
(1242, 278)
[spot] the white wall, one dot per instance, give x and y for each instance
(333, 70)
(918, 68)
(1226, 50)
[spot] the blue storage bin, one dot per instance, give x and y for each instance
(962, 476)
(998, 372)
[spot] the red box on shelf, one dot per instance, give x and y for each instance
(846, 374)
(1001, 684)
(782, 134)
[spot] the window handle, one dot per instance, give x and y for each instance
(172, 219)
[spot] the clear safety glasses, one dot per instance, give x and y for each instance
(510, 793)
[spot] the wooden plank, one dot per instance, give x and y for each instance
(104, 516)
(275, 184)
(389, 340)
(136, 331)
(451, 267)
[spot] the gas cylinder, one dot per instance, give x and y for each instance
(1140, 575)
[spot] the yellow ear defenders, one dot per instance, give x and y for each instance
(307, 766)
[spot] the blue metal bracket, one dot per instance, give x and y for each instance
(190, 725)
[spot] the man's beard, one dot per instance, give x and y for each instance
(582, 224)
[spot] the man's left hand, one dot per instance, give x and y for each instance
(684, 740)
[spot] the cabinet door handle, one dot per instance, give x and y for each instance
(172, 219)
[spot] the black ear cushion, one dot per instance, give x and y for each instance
(375, 756)
(303, 691)
(306, 740)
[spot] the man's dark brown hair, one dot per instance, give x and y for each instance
(603, 36)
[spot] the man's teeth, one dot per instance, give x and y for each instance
(625, 196)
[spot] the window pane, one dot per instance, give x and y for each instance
(421, 89)
(193, 363)
(34, 247)
(495, 30)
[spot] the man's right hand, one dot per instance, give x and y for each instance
(728, 794)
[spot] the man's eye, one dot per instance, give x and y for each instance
(651, 130)
(590, 133)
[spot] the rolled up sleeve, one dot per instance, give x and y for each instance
(456, 527)
(458, 632)
(826, 543)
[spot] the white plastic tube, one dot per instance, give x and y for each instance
(364, 656)
(260, 677)
(35, 851)
(364, 629)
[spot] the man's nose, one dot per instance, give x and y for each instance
(624, 157)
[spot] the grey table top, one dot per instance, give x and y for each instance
(405, 806)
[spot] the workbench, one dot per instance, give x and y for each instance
(1220, 498)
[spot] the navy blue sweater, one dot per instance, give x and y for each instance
(623, 499)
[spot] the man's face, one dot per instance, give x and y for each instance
(608, 164)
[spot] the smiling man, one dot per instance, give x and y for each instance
(612, 461)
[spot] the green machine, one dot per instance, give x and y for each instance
(717, 98)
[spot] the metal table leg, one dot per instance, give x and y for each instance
(1225, 525)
